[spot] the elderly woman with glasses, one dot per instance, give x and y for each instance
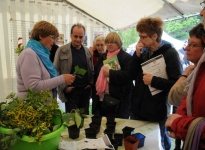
(34, 68)
(113, 78)
(192, 105)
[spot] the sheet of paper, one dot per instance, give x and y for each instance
(99, 143)
(157, 67)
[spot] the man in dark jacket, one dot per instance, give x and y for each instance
(146, 105)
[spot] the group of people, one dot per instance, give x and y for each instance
(79, 74)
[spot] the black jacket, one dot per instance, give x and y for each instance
(144, 106)
(120, 85)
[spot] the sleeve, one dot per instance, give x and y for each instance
(176, 94)
(31, 72)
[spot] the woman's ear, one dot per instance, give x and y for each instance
(155, 36)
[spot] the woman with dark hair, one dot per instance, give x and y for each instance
(192, 105)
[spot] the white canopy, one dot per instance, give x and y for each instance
(122, 14)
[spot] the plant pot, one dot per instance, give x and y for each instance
(115, 143)
(90, 133)
(48, 142)
(73, 132)
(127, 131)
(96, 126)
(118, 137)
(141, 138)
(111, 126)
(96, 119)
(109, 133)
(131, 143)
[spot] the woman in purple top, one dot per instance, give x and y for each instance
(34, 69)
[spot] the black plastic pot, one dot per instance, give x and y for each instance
(90, 133)
(111, 126)
(96, 126)
(127, 131)
(109, 133)
(73, 132)
(118, 137)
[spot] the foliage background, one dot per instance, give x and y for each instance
(177, 29)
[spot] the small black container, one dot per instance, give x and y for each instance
(115, 143)
(90, 133)
(73, 132)
(96, 119)
(109, 133)
(111, 125)
(118, 137)
(96, 126)
(127, 131)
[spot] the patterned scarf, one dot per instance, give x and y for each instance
(43, 53)
(102, 83)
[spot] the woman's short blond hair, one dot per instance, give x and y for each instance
(99, 38)
(44, 29)
(113, 37)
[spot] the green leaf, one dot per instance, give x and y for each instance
(5, 139)
(79, 71)
(78, 119)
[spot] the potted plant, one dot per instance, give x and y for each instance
(33, 123)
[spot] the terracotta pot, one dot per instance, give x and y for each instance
(131, 143)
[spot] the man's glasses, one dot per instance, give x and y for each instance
(202, 4)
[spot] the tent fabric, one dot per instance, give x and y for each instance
(123, 14)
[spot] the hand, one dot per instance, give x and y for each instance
(139, 48)
(88, 86)
(69, 78)
(189, 69)
(169, 122)
(147, 78)
(69, 89)
(106, 71)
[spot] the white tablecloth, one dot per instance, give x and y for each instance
(149, 129)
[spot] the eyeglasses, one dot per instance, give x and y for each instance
(53, 37)
(143, 37)
(99, 44)
(192, 45)
(202, 4)
(110, 43)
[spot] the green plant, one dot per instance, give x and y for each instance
(38, 114)
(79, 72)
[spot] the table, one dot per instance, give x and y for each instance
(149, 129)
